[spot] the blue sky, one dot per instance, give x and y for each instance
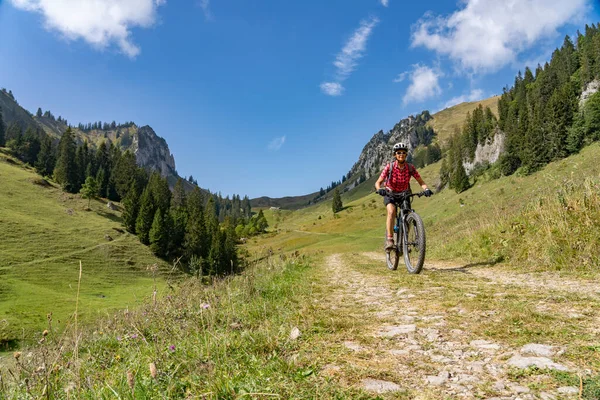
(270, 97)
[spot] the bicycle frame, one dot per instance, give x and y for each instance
(403, 208)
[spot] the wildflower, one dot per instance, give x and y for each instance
(118, 338)
(117, 357)
(172, 347)
(205, 305)
(133, 336)
(153, 371)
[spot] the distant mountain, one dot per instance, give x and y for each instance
(151, 151)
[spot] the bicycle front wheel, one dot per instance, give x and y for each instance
(392, 256)
(414, 247)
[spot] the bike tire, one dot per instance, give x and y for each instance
(392, 257)
(415, 245)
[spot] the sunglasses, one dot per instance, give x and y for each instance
(401, 152)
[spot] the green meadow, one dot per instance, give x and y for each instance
(44, 236)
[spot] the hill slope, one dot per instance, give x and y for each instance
(45, 234)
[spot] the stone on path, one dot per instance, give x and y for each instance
(540, 350)
(295, 333)
(540, 362)
(397, 330)
(378, 386)
(439, 379)
(568, 390)
(484, 345)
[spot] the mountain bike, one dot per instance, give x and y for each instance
(409, 235)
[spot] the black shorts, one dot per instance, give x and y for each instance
(388, 199)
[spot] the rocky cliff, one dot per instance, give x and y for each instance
(378, 151)
(489, 152)
(152, 152)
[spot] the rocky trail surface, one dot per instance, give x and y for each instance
(452, 332)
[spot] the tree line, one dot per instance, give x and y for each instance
(540, 115)
(200, 229)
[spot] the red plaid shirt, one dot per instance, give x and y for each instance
(400, 179)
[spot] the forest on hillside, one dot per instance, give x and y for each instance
(197, 230)
(540, 115)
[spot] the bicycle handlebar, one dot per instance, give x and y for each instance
(402, 194)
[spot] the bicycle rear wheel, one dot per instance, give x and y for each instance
(392, 256)
(414, 248)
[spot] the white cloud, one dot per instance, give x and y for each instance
(276, 143)
(384, 3)
(98, 22)
(401, 77)
(486, 35)
(424, 84)
(474, 95)
(347, 59)
(205, 5)
(332, 88)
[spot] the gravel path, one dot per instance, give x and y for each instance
(408, 350)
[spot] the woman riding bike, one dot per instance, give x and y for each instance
(397, 180)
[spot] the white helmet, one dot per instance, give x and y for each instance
(400, 146)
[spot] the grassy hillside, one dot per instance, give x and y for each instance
(445, 122)
(516, 218)
(45, 234)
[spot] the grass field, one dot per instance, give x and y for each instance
(476, 225)
(45, 234)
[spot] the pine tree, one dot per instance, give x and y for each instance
(124, 173)
(195, 232)
(178, 199)
(145, 217)
(261, 222)
(65, 171)
(131, 205)
(460, 180)
(159, 234)
(46, 159)
(89, 190)
(39, 113)
(337, 201)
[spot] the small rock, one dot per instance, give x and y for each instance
(518, 388)
(541, 350)
(295, 333)
(379, 386)
(484, 345)
(439, 379)
(392, 331)
(547, 396)
(568, 390)
(470, 295)
(540, 362)
(499, 386)
(353, 346)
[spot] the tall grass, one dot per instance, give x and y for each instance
(226, 340)
(559, 230)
